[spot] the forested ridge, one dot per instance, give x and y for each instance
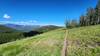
(92, 17)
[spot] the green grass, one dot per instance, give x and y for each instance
(47, 44)
(83, 41)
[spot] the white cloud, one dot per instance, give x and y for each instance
(33, 21)
(6, 16)
(30, 22)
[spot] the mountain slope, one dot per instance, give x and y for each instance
(5, 29)
(24, 28)
(83, 41)
(47, 28)
(47, 44)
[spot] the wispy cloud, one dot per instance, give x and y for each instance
(6, 16)
(33, 21)
(30, 22)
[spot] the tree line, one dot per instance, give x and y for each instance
(12, 36)
(92, 17)
(9, 34)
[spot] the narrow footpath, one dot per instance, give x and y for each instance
(65, 44)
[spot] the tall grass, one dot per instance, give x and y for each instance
(47, 44)
(84, 41)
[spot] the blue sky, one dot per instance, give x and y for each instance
(42, 12)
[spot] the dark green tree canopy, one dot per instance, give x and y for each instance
(92, 16)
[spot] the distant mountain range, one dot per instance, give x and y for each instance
(47, 28)
(6, 29)
(27, 28)
(24, 28)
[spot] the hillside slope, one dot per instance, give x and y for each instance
(47, 44)
(6, 29)
(83, 41)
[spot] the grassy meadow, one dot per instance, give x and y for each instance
(47, 44)
(82, 41)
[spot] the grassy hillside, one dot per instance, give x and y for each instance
(83, 41)
(47, 44)
(47, 28)
(8, 34)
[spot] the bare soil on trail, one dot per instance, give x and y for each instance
(65, 44)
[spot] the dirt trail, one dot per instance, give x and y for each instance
(65, 44)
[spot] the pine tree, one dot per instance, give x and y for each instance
(90, 16)
(82, 20)
(97, 12)
(66, 23)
